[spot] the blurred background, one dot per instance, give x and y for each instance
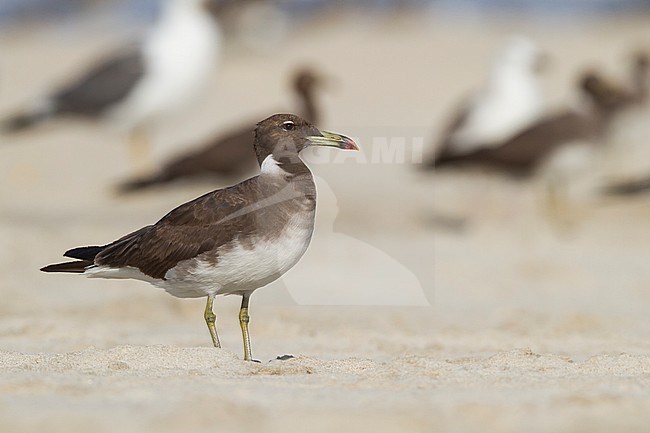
(484, 252)
(393, 74)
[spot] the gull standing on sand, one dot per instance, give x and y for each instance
(230, 241)
(511, 100)
(138, 87)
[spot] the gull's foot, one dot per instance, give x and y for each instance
(285, 357)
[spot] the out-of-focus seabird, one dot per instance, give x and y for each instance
(139, 86)
(615, 96)
(564, 144)
(510, 101)
(231, 154)
(523, 152)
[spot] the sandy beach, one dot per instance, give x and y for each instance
(498, 322)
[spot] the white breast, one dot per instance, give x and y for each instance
(241, 269)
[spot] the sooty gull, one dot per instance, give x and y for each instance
(230, 241)
(229, 155)
(512, 99)
(563, 144)
(137, 87)
(525, 151)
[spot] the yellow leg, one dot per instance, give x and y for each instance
(244, 318)
(210, 319)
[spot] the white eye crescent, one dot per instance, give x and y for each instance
(288, 125)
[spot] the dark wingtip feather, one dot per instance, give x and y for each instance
(76, 267)
(84, 253)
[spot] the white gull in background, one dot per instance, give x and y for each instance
(135, 88)
(510, 101)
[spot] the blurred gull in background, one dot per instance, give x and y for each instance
(230, 154)
(138, 87)
(623, 96)
(629, 130)
(560, 145)
(511, 100)
(525, 150)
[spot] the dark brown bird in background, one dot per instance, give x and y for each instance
(524, 152)
(615, 97)
(563, 143)
(229, 155)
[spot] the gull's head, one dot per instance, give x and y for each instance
(285, 135)
(305, 80)
(641, 62)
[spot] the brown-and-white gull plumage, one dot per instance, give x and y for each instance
(230, 241)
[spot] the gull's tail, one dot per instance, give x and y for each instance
(85, 256)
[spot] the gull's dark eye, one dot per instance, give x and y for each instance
(288, 125)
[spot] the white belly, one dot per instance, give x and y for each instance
(238, 269)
